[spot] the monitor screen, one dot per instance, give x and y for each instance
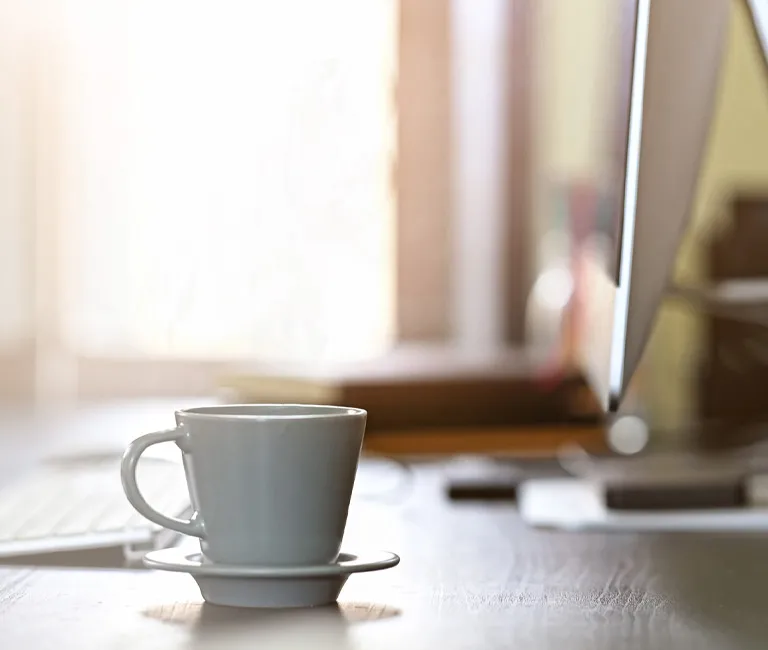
(665, 109)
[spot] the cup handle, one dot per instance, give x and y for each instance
(194, 525)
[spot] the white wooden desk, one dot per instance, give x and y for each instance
(472, 576)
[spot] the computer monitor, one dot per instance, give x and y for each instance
(678, 50)
(759, 12)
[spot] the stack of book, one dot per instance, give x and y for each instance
(427, 389)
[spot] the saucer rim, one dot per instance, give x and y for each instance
(183, 561)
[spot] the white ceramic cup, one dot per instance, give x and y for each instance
(270, 484)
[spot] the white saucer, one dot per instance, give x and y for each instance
(263, 586)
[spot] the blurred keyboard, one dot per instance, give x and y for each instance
(75, 503)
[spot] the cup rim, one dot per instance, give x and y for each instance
(293, 412)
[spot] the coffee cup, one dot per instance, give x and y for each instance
(269, 484)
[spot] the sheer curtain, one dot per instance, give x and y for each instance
(195, 181)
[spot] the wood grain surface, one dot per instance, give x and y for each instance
(472, 576)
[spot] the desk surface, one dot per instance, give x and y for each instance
(472, 576)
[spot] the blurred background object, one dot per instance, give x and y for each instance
(734, 365)
(246, 189)
(736, 163)
(187, 185)
(237, 202)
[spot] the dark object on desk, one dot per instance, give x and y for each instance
(501, 482)
(482, 491)
(693, 496)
